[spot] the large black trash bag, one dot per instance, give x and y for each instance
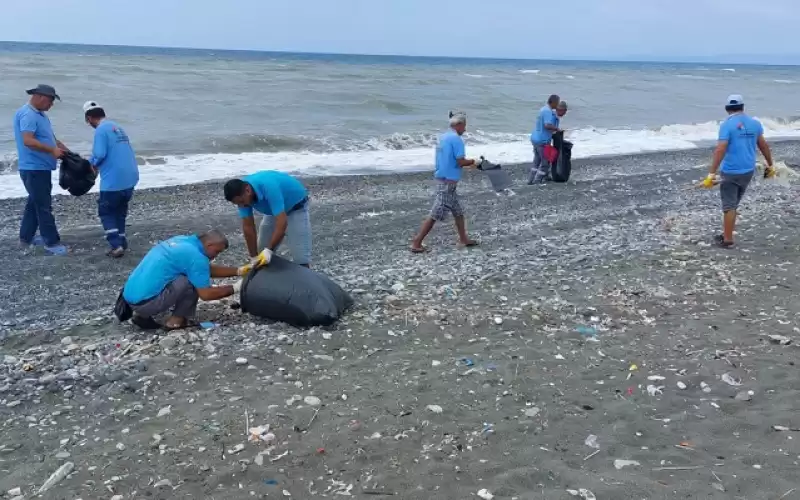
(562, 168)
(284, 291)
(77, 175)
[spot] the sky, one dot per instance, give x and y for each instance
(724, 30)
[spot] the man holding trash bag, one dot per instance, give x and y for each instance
(735, 158)
(284, 202)
(174, 275)
(546, 125)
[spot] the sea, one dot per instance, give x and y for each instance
(198, 115)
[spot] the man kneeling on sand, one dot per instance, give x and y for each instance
(174, 275)
(449, 162)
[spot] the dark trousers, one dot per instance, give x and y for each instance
(112, 207)
(38, 213)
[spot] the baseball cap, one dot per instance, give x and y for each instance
(735, 100)
(90, 105)
(562, 105)
(45, 90)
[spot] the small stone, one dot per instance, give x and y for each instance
(10, 360)
(89, 348)
(756, 466)
(62, 454)
(163, 412)
(498, 320)
(435, 363)
(532, 412)
(236, 449)
(66, 340)
(744, 396)
(168, 343)
(434, 408)
(120, 447)
(241, 361)
(681, 385)
(398, 287)
(164, 483)
(13, 404)
(312, 401)
(14, 492)
(621, 464)
(485, 494)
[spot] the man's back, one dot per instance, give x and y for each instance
(276, 192)
(118, 168)
(742, 133)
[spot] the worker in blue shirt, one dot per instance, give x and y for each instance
(38, 152)
(547, 122)
(115, 161)
(283, 200)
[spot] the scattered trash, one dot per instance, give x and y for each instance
(56, 477)
(491, 367)
(744, 396)
(435, 363)
(498, 320)
(621, 464)
(633, 368)
(782, 428)
(320, 451)
(718, 487)
(730, 380)
(653, 390)
(583, 493)
(270, 482)
(241, 361)
(312, 401)
(559, 356)
(780, 339)
(164, 411)
(487, 428)
(164, 483)
(14, 492)
(656, 378)
(207, 325)
(681, 385)
(467, 362)
(630, 391)
(586, 331)
(236, 449)
(591, 442)
(485, 495)
(532, 412)
(434, 408)
(261, 433)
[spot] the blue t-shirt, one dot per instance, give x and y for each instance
(113, 156)
(276, 192)
(540, 135)
(448, 150)
(179, 255)
(29, 119)
(742, 133)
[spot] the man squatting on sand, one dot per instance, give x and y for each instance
(283, 200)
(174, 275)
(450, 159)
(735, 158)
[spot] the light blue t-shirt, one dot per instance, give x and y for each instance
(30, 119)
(276, 192)
(179, 255)
(448, 150)
(113, 156)
(742, 133)
(540, 135)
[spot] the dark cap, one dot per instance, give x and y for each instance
(45, 90)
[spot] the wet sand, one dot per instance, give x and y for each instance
(584, 312)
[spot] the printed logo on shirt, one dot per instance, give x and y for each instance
(121, 135)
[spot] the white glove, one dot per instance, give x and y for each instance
(237, 287)
(262, 259)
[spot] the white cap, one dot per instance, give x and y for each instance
(90, 105)
(735, 100)
(457, 117)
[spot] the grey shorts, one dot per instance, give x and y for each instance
(446, 200)
(732, 189)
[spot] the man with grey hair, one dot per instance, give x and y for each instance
(546, 126)
(450, 160)
(174, 275)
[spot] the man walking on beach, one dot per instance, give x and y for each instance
(450, 159)
(283, 200)
(735, 157)
(113, 157)
(38, 151)
(174, 275)
(546, 126)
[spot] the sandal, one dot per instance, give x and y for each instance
(719, 240)
(418, 249)
(469, 244)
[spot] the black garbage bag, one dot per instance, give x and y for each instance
(287, 292)
(76, 175)
(562, 167)
(498, 177)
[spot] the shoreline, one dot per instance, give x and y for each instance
(582, 311)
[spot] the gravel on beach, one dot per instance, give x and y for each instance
(595, 345)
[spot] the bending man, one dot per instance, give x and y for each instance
(174, 275)
(546, 126)
(735, 157)
(284, 202)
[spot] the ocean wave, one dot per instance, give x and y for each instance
(783, 81)
(693, 77)
(471, 75)
(529, 71)
(729, 70)
(404, 152)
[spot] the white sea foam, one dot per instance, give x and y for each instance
(783, 81)
(471, 75)
(501, 148)
(529, 71)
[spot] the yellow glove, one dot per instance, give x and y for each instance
(262, 259)
(708, 182)
(244, 270)
(769, 172)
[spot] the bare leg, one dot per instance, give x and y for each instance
(461, 227)
(416, 244)
(728, 224)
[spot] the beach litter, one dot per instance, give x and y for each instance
(621, 464)
(591, 442)
(582, 493)
(731, 380)
(485, 494)
(56, 477)
(586, 331)
(434, 408)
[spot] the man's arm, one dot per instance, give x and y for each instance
(99, 148)
(223, 271)
(215, 292)
(764, 148)
(719, 154)
(250, 235)
(281, 223)
(30, 141)
(550, 122)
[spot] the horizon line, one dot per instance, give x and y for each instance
(623, 59)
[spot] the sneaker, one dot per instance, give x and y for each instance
(38, 241)
(116, 253)
(124, 243)
(57, 250)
